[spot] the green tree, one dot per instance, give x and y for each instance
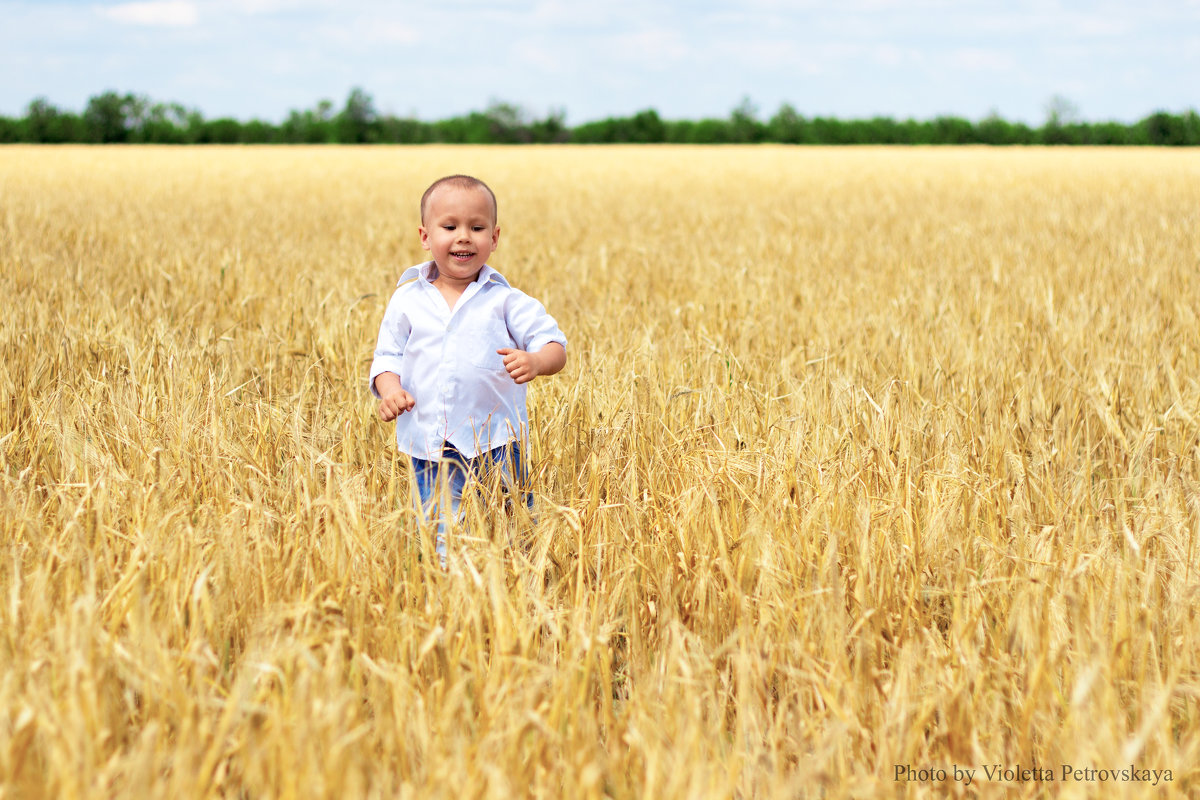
(552, 129)
(506, 123)
(136, 109)
(1161, 128)
(314, 126)
(475, 128)
(404, 130)
(163, 123)
(1191, 128)
(744, 126)
(954, 130)
(1060, 113)
(356, 123)
(647, 127)
(12, 130)
(594, 132)
(107, 118)
(1109, 133)
(710, 131)
(44, 123)
(224, 130)
(787, 126)
(884, 130)
(258, 132)
(995, 130)
(678, 130)
(644, 127)
(831, 130)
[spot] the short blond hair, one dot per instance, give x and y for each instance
(459, 182)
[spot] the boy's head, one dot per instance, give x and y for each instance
(458, 226)
(458, 182)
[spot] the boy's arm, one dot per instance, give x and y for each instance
(532, 328)
(394, 399)
(523, 366)
(388, 362)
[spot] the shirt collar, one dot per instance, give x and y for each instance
(425, 272)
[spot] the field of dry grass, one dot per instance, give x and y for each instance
(862, 458)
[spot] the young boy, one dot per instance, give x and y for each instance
(456, 348)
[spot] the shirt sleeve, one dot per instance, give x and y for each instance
(393, 337)
(529, 324)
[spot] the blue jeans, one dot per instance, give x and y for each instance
(441, 483)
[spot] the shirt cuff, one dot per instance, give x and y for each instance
(538, 342)
(383, 364)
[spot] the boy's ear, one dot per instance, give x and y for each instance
(424, 237)
(495, 237)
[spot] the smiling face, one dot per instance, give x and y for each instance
(459, 229)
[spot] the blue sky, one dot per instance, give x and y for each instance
(687, 59)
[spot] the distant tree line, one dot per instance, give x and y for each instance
(112, 118)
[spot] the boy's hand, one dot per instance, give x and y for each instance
(394, 404)
(521, 366)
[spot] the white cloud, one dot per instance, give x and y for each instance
(255, 8)
(537, 55)
(765, 56)
(154, 14)
(561, 14)
(890, 55)
(652, 47)
(983, 59)
(1190, 47)
(354, 33)
(394, 33)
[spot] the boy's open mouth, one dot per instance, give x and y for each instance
(462, 256)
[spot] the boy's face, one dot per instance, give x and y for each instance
(460, 231)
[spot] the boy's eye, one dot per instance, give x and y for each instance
(448, 227)
(478, 227)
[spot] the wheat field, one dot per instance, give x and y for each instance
(872, 472)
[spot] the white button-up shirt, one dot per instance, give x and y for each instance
(447, 361)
